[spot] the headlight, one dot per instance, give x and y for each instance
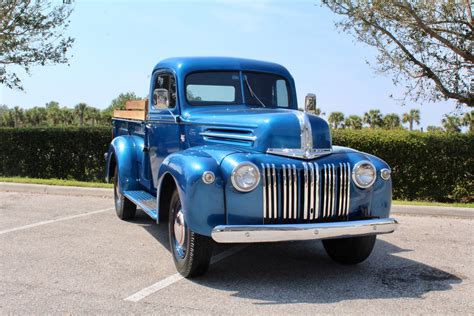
(364, 174)
(245, 177)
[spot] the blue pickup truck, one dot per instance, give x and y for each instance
(220, 152)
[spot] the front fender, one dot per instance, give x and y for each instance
(203, 204)
(123, 153)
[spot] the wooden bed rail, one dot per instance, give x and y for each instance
(134, 110)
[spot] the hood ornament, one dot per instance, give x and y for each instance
(306, 151)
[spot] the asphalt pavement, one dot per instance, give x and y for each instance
(67, 253)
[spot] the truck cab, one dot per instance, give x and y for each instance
(221, 153)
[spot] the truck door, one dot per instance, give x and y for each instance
(163, 130)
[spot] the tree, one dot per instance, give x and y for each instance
(425, 45)
(119, 103)
(336, 119)
(80, 109)
(468, 120)
(391, 121)
(373, 118)
(319, 112)
(432, 128)
(451, 123)
(411, 117)
(353, 122)
(31, 34)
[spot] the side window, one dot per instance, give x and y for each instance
(164, 92)
(281, 93)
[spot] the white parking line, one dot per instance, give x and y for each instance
(177, 277)
(54, 221)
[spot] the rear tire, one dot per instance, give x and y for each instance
(350, 251)
(191, 252)
(124, 208)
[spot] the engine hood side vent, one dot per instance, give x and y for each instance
(236, 136)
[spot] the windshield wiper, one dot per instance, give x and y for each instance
(251, 91)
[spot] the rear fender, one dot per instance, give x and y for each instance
(124, 153)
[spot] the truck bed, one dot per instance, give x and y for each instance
(134, 110)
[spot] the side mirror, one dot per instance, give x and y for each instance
(310, 102)
(160, 99)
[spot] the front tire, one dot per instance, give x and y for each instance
(191, 252)
(350, 251)
(124, 208)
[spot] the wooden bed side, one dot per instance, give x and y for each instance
(134, 110)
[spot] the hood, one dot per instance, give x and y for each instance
(276, 131)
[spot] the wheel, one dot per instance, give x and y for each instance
(124, 208)
(349, 250)
(191, 252)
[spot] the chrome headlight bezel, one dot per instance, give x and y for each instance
(235, 174)
(355, 178)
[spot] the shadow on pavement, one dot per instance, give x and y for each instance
(301, 272)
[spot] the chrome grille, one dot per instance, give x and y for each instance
(309, 194)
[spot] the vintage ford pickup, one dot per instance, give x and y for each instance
(222, 154)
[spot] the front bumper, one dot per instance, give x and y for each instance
(289, 232)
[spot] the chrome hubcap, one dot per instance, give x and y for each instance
(179, 230)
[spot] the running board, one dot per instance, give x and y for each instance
(143, 200)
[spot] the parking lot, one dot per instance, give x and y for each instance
(62, 253)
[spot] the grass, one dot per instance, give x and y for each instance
(75, 183)
(426, 203)
(72, 183)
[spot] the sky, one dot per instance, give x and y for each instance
(117, 43)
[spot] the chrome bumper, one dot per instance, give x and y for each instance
(288, 232)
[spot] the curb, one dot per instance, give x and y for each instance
(420, 210)
(55, 189)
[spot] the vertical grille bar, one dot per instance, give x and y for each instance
(305, 192)
(295, 193)
(269, 189)
(318, 189)
(285, 188)
(334, 180)
(275, 204)
(341, 189)
(312, 181)
(348, 198)
(290, 192)
(264, 187)
(325, 192)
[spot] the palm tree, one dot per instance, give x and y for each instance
(432, 128)
(18, 116)
(411, 117)
(92, 114)
(353, 122)
(336, 119)
(80, 109)
(451, 123)
(391, 121)
(373, 118)
(468, 120)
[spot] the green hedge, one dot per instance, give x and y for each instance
(63, 153)
(426, 166)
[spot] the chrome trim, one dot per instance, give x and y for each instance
(264, 185)
(270, 206)
(295, 192)
(299, 153)
(356, 166)
(290, 192)
(334, 179)
(341, 184)
(228, 136)
(318, 189)
(325, 191)
(285, 188)
(306, 135)
(305, 194)
(275, 204)
(385, 173)
(210, 180)
(234, 172)
(311, 191)
(289, 232)
(348, 199)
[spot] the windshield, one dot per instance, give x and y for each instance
(225, 87)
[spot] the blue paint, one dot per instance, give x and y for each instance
(169, 143)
